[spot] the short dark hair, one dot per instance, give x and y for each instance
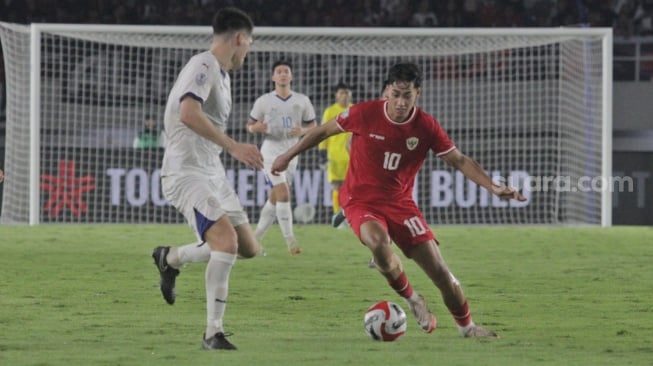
(342, 85)
(232, 19)
(384, 85)
(405, 72)
(281, 62)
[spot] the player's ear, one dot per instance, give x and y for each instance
(243, 38)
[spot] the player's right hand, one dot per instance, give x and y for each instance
(280, 164)
(247, 154)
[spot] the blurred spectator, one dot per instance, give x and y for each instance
(451, 14)
(470, 10)
(511, 17)
(542, 12)
(488, 14)
(391, 6)
(424, 15)
(624, 24)
(149, 137)
(644, 18)
(600, 13)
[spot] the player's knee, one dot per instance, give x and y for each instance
(374, 236)
(382, 253)
(227, 246)
(388, 264)
(281, 193)
(221, 236)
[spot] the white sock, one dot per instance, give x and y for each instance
(189, 253)
(284, 216)
(414, 297)
(217, 289)
(464, 330)
(266, 219)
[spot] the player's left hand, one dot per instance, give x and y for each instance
(297, 132)
(247, 154)
(509, 193)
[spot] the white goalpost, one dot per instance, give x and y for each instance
(533, 106)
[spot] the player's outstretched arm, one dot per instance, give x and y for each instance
(312, 138)
(193, 117)
(475, 172)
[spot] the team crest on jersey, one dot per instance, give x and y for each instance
(344, 113)
(200, 78)
(411, 143)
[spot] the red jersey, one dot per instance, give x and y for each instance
(386, 155)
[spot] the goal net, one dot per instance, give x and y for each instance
(533, 106)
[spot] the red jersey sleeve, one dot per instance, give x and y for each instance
(441, 144)
(347, 119)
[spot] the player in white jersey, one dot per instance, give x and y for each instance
(283, 115)
(193, 178)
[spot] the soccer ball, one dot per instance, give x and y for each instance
(385, 321)
(304, 213)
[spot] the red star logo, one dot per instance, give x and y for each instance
(66, 190)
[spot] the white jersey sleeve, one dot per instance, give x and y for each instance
(258, 110)
(201, 79)
(196, 80)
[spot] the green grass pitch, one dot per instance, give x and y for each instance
(88, 295)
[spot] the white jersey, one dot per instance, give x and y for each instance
(281, 115)
(204, 80)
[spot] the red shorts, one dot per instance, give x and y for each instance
(403, 220)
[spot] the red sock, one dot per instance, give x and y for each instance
(462, 315)
(402, 286)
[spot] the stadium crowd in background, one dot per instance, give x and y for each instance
(628, 17)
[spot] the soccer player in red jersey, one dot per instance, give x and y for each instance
(391, 140)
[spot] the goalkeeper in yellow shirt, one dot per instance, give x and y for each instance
(336, 145)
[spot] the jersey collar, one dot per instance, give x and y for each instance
(412, 115)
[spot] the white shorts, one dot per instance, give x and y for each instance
(211, 197)
(284, 177)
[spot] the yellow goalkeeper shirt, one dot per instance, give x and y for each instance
(336, 145)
